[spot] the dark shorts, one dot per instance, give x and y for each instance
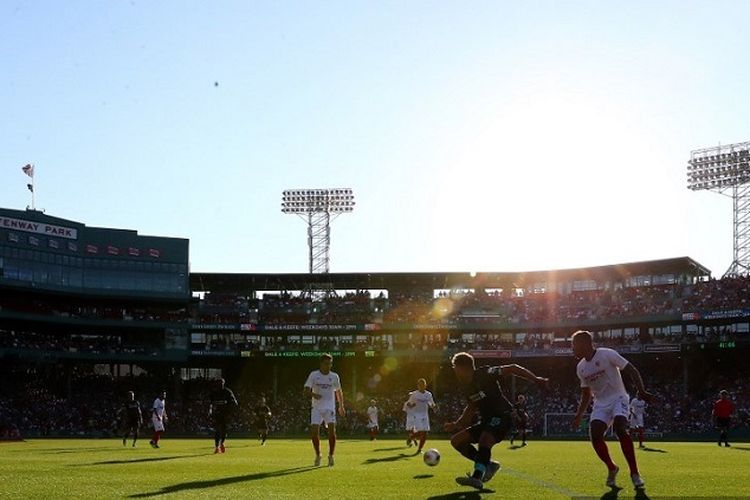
(498, 426)
(132, 424)
(722, 422)
(261, 425)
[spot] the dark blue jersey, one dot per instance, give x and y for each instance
(223, 403)
(132, 411)
(485, 391)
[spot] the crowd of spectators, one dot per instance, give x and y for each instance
(89, 405)
(481, 306)
(64, 342)
(64, 308)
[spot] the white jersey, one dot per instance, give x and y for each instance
(159, 407)
(372, 415)
(637, 407)
(421, 402)
(602, 376)
(326, 386)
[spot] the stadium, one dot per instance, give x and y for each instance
(88, 314)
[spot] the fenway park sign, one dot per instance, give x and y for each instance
(38, 228)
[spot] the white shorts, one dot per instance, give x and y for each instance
(318, 417)
(158, 424)
(410, 422)
(421, 423)
(620, 407)
(372, 425)
(636, 421)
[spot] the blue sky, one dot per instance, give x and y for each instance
(481, 136)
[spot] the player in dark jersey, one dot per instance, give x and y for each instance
(520, 419)
(482, 389)
(132, 416)
(223, 404)
(262, 414)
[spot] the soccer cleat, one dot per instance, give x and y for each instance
(330, 460)
(216, 450)
(123, 442)
(470, 481)
(726, 444)
(152, 443)
(637, 481)
(408, 443)
(134, 446)
(221, 448)
(612, 476)
(317, 461)
(491, 470)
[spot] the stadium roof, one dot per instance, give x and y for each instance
(242, 282)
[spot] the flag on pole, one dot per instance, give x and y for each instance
(31, 187)
(28, 169)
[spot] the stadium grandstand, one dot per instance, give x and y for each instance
(89, 313)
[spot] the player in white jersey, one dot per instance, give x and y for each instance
(324, 388)
(409, 424)
(637, 410)
(599, 371)
(158, 418)
(420, 401)
(372, 419)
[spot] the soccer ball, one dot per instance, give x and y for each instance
(431, 457)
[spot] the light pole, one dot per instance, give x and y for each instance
(318, 207)
(722, 169)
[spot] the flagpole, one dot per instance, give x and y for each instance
(33, 193)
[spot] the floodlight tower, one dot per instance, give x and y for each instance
(722, 169)
(318, 207)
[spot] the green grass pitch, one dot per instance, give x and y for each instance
(187, 468)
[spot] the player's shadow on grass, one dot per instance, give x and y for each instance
(392, 458)
(654, 450)
(389, 449)
(515, 447)
(212, 483)
(640, 494)
(138, 460)
(424, 476)
(741, 448)
(462, 495)
(76, 450)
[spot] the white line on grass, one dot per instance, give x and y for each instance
(541, 483)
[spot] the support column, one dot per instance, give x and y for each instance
(354, 379)
(685, 381)
(275, 380)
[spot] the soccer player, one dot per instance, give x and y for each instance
(722, 414)
(324, 388)
(485, 396)
(637, 410)
(133, 417)
(158, 418)
(262, 414)
(420, 402)
(410, 441)
(520, 419)
(599, 371)
(223, 404)
(372, 419)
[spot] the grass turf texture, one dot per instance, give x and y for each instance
(188, 468)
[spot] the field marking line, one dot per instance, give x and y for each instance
(544, 484)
